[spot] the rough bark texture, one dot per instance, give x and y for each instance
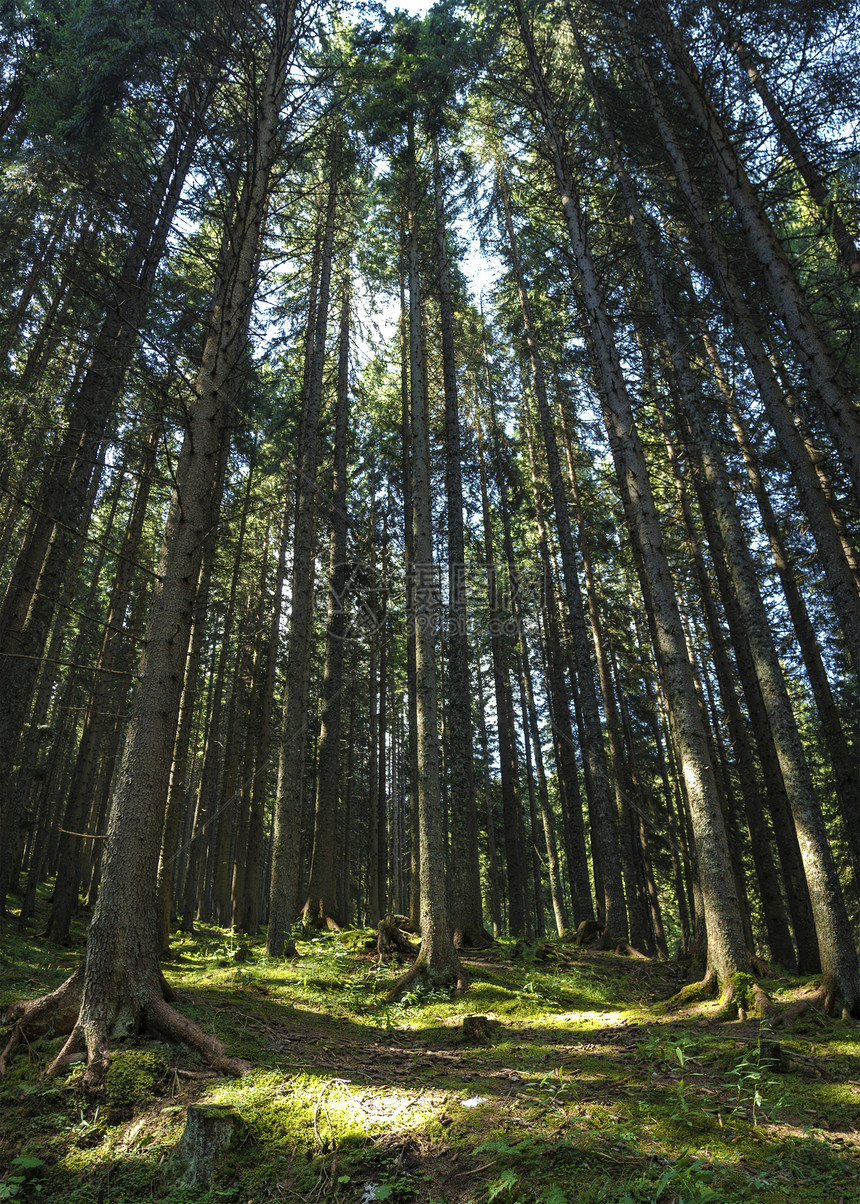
(321, 902)
(285, 847)
(593, 751)
(437, 962)
(123, 989)
(726, 951)
(465, 892)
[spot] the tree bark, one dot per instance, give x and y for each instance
(726, 952)
(437, 962)
(321, 905)
(288, 810)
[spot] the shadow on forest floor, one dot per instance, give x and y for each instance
(589, 1092)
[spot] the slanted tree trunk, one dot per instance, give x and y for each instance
(776, 923)
(835, 941)
(28, 608)
(726, 951)
(810, 173)
(846, 770)
(836, 406)
(121, 987)
(840, 580)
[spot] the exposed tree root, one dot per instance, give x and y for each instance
(170, 1024)
(625, 949)
(320, 922)
(54, 1013)
(741, 996)
(60, 1012)
(827, 998)
(452, 976)
(390, 939)
(693, 992)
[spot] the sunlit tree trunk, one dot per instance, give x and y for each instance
(288, 809)
(437, 961)
(836, 405)
(465, 892)
(810, 173)
(726, 951)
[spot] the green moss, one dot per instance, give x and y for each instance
(131, 1077)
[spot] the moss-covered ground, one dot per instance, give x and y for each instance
(591, 1090)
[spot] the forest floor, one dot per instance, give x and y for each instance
(590, 1091)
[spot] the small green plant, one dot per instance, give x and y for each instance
(689, 1183)
(23, 1171)
(504, 1185)
(502, 1146)
(397, 1187)
(754, 1089)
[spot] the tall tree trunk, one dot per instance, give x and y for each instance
(121, 982)
(288, 806)
(437, 962)
(836, 405)
(726, 952)
(465, 886)
(321, 906)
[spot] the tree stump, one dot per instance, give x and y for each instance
(392, 940)
(476, 1030)
(202, 1146)
(588, 930)
(775, 1058)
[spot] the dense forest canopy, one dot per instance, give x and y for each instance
(429, 485)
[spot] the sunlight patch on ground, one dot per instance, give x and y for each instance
(589, 1016)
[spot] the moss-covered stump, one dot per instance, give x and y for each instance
(476, 1030)
(209, 1130)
